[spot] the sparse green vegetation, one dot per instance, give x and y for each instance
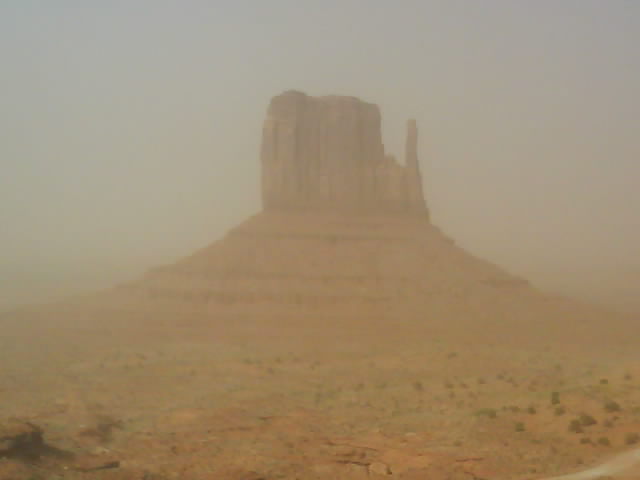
(586, 420)
(612, 406)
(487, 412)
(631, 438)
(575, 426)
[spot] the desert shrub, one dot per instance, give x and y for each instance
(555, 398)
(604, 441)
(631, 438)
(103, 429)
(559, 410)
(487, 412)
(418, 387)
(628, 376)
(532, 410)
(604, 381)
(585, 441)
(481, 381)
(608, 423)
(519, 427)
(586, 420)
(575, 426)
(612, 406)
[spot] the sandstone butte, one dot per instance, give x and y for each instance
(363, 298)
(344, 234)
(326, 154)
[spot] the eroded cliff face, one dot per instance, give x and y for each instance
(326, 153)
(344, 233)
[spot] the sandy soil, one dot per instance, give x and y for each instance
(287, 400)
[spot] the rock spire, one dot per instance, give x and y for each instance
(326, 153)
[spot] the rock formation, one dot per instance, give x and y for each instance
(344, 232)
(326, 153)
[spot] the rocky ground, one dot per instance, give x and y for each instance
(270, 402)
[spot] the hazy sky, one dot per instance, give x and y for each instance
(130, 130)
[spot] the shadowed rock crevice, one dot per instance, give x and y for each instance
(25, 441)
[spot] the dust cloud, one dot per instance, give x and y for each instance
(351, 239)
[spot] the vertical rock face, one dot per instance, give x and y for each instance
(414, 186)
(326, 153)
(302, 259)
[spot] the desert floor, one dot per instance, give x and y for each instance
(284, 400)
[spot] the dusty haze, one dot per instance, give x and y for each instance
(337, 207)
(130, 131)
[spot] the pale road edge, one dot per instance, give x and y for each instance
(616, 465)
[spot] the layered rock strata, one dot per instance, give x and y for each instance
(344, 233)
(293, 265)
